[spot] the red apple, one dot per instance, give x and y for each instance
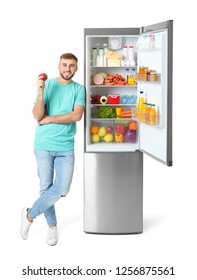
(43, 76)
(109, 129)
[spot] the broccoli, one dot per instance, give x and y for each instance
(106, 112)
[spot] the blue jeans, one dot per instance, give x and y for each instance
(55, 171)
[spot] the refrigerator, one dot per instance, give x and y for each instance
(115, 136)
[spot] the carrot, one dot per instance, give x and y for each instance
(126, 112)
(126, 116)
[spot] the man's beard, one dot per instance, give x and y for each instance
(66, 78)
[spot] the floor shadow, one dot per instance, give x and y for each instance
(67, 222)
(152, 222)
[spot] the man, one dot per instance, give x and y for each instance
(59, 105)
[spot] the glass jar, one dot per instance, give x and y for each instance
(153, 76)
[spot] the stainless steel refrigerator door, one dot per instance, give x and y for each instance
(113, 193)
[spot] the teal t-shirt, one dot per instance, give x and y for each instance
(59, 99)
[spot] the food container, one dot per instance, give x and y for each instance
(140, 77)
(103, 99)
(113, 62)
(114, 99)
(153, 76)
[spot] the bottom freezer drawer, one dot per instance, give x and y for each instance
(113, 193)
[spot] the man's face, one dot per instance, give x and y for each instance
(67, 68)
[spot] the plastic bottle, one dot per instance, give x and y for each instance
(127, 74)
(97, 60)
(94, 56)
(147, 115)
(101, 57)
(146, 100)
(152, 115)
(151, 41)
(125, 53)
(131, 56)
(122, 62)
(131, 80)
(143, 41)
(144, 112)
(104, 56)
(158, 115)
(140, 105)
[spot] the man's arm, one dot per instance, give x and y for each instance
(71, 117)
(39, 107)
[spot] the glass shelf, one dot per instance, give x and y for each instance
(149, 82)
(113, 86)
(113, 105)
(112, 119)
(148, 50)
(114, 66)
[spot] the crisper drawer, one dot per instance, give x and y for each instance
(114, 135)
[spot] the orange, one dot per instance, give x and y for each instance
(94, 129)
(133, 125)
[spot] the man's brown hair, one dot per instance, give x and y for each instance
(68, 56)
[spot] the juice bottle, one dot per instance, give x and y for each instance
(147, 114)
(158, 115)
(130, 79)
(153, 115)
(140, 106)
(127, 74)
(144, 112)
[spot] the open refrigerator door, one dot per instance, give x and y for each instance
(154, 79)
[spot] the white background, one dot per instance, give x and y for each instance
(33, 36)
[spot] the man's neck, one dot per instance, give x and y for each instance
(63, 82)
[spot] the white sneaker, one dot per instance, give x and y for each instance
(25, 224)
(52, 237)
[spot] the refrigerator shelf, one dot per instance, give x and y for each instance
(112, 86)
(149, 82)
(143, 50)
(113, 67)
(114, 105)
(112, 119)
(114, 143)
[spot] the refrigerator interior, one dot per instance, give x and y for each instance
(155, 92)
